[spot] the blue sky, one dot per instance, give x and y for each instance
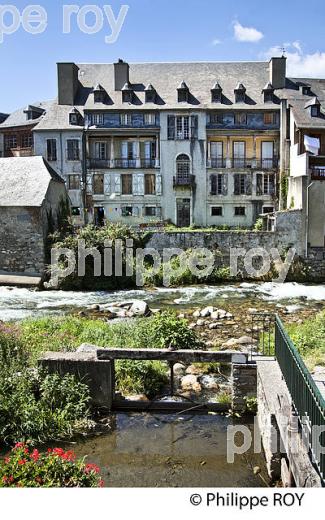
(162, 30)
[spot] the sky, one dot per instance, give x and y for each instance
(152, 30)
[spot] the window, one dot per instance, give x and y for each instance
(125, 119)
(218, 185)
(27, 141)
(267, 209)
(267, 153)
(149, 184)
(75, 212)
(239, 154)
(265, 184)
(99, 96)
(74, 182)
(100, 150)
(182, 127)
(241, 118)
(242, 184)
(216, 153)
(269, 118)
(268, 96)
(73, 150)
(183, 94)
(183, 168)
(216, 211)
(150, 211)
(98, 182)
(127, 211)
(51, 150)
(240, 211)
(73, 118)
(216, 95)
(127, 184)
(306, 90)
(149, 119)
(127, 96)
(151, 96)
(216, 119)
(10, 142)
(96, 119)
(240, 96)
(314, 111)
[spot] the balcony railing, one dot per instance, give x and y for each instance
(267, 164)
(217, 162)
(184, 180)
(318, 173)
(147, 163)
(98, 163)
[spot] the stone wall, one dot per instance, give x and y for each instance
(21, 240)
(244, 380)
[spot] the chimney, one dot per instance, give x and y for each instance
(68, 83)
(121, 74)
(278, 72)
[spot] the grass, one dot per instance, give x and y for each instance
(309, 338)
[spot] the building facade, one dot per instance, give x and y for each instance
(194, 144)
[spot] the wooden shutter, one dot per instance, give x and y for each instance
(248, 184)
(213, 185)
(171, 127)
(117, 184)
(194, 127)
(107, 184)
(89, 184)
(224, 188)
(140, 183)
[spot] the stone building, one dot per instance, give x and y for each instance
(192, 143)
(31, 191)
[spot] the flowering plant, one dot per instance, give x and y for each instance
(25, 467)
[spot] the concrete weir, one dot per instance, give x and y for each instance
(96, 367)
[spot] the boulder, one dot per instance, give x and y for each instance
(140, 397)
(140, 308)
(179, 369)
(192, 326)
(196, 314)
(191, 383)
(206, 312)
(214, 326)
(193, 370)
(209, 383)
(95, 307)
(200, 323)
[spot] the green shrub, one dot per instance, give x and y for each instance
(57, 468)
(167, 330)
(141, 377)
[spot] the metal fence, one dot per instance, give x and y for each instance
(307, 400)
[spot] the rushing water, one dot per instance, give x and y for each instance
(17, 303)
(145, 450)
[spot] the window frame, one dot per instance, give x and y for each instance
(74, 185)
(239, 213)
(51, 155)
(75, 149)
(216, 208)
(96, 178)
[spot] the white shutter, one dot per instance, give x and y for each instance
(135, 149)
(107, 184)
(158, 185)
(140, 183)
(89, 184)
(117, 184)
(216, 150)
(135, 184)
(147, 150)
(136, 211)
(158, 211)
(124, 150)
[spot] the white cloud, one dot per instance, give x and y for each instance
(247, 34)
(216, 42)
(298, 63)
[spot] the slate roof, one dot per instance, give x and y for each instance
(299, 102)
(24, 181)
(18, 118)
(3, 117)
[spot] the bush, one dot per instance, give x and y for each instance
(56, 468)
(166, 330)
(38, 407)
(141, 377)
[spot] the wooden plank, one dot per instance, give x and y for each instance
(176, 356)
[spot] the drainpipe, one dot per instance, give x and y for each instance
(307, 219)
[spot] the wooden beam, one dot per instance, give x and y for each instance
(176, 356)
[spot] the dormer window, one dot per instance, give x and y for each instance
(99, 94)
(268, 92)
(314, 107)
(127, 93)
(183, 93)
(150, 94)
(216, 93)
(240, 93)
(33, 112)
(74, 117)
(306, 90)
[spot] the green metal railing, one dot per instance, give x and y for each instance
(307, 400)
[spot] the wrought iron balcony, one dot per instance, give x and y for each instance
(317, 173)
(217, 162)
(267, 164)
(98, 164)
(184, 181)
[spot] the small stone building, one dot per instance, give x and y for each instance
(30, 194)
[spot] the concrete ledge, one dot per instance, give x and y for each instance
(185, 356)
(21, 280)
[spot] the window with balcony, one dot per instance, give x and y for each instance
(73, 182)
(127, 184)
(240, 211)
(216, 154)
(10, 142)
(149, 184)
(73, 152)
(183, 169)
(51, 150)
(242, 184)
(98, 184)
(239, 154)
(267, 154)
(216, 211)
(101, 150)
